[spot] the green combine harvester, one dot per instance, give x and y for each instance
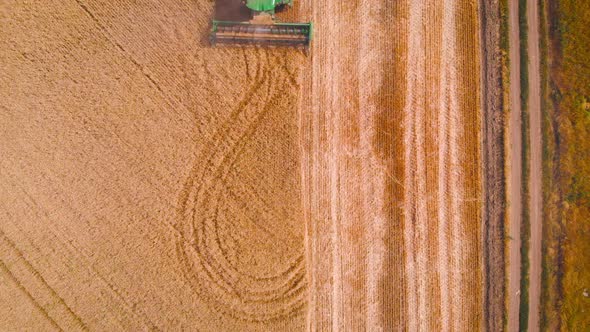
(262, 28)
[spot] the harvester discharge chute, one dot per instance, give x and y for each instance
(262, 28)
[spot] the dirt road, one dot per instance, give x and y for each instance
(147, 181)
(391, 139)
(514, 173)
(536, 167)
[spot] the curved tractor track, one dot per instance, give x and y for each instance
(205, 249)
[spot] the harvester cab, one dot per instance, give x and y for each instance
(263, 28)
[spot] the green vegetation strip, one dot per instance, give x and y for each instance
(504, 50)
(547, 154)
(525, 231)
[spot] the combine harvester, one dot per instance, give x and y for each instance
(262, 28)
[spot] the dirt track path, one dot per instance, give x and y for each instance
(515, 172)
(536, 176)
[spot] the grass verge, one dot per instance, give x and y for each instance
(505, 59)
(525, 229)
(548, 150)
(565, 302)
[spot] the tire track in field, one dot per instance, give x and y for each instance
(128, 55)
(414, 69)
(205, 262)
(21, 287)
(156, 38)
(80, 256)
(450, 218)
(446, 210)
(207, 238)
(59, 301)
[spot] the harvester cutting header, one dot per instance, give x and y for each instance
(263, 28)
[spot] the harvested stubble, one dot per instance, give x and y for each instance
(391, 174)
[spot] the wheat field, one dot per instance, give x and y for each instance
(151, 182)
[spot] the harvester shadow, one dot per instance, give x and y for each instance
(231, 10)
(227, 10)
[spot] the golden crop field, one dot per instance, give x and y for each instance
(151, 181)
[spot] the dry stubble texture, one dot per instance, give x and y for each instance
(494, 192)
(391, 166)
(147, 181)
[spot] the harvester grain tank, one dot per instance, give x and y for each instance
(263, 28)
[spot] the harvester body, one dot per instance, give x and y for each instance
(262, 28)
(266, 5)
